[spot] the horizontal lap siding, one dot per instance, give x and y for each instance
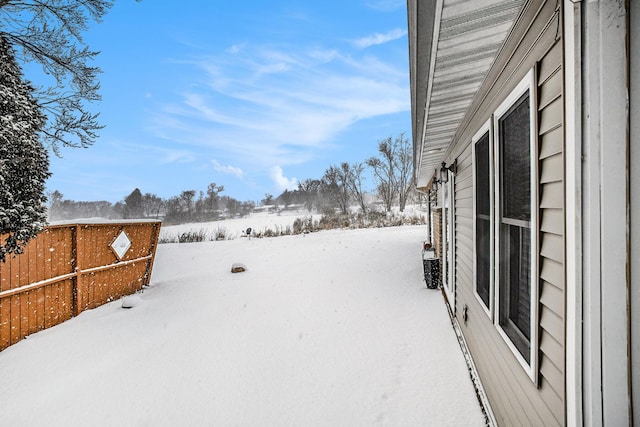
(496, 365)
(515, 399)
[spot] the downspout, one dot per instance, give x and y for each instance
(572, 83)
(429, 238)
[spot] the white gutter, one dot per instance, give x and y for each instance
(432, 66)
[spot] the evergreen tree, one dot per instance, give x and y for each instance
(24, 164)
(134, 207)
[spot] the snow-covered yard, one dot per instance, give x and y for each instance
(234, 228)
(331, 329)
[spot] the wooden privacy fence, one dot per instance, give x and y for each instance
(70, 268)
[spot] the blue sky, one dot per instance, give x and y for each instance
(253, 95)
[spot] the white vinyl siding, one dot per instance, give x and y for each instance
(552, 229)
(514, 397)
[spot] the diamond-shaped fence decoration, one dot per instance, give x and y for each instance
(121, 245)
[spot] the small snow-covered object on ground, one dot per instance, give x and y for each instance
(131, 301)
(238, 268)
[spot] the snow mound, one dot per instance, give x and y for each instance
(131, 301)
(238, 267)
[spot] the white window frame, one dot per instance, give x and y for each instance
(486, 128)
(448, 250)
(527, 84)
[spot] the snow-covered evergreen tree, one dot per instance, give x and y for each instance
(24, 163)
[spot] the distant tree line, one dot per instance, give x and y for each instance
(188, 206)
(340, 187)
(343, 185)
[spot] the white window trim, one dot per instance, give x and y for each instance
(487, 127)
(527, 84)
(447, 223)
(452, 234)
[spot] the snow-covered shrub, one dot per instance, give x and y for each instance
(220, 233)
(24, 164)
(303, 225)
(193, 236)
(269, 233)
(334, 221)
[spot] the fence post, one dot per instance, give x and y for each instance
(74, 269)
(152, 250)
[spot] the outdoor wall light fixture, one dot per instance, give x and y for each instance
(444, 175)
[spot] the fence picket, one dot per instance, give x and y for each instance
(67, 269)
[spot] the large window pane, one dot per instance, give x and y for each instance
(483, 260)
(482, 218)
(515, 161)
(515, 286)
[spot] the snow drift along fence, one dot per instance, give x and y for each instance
(71, 268)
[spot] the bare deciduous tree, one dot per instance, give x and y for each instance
(186, 198)
(49, 33)
(152, 205)
(404, 169)
(392, 170)
(356, 184)
(335, 186)
(213, 199)
(384, 172)
(309, 190)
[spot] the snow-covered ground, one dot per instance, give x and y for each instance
(259, 222)
(334, 328)
(236, 227)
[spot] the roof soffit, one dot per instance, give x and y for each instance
(466, 37)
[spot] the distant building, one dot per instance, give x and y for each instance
(264, 208)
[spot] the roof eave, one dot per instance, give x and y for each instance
(421, 17)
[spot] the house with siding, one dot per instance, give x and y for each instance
(526, 124)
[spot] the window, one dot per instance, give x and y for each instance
(504, 155)
(515, 167)
(514, 130)
(482, 216)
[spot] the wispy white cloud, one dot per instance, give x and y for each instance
(386, 5)
(282, 182)
(277, 107)
(379, 38)
(155, 154)
(177, 156)
(230, 170)
(236, 48)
